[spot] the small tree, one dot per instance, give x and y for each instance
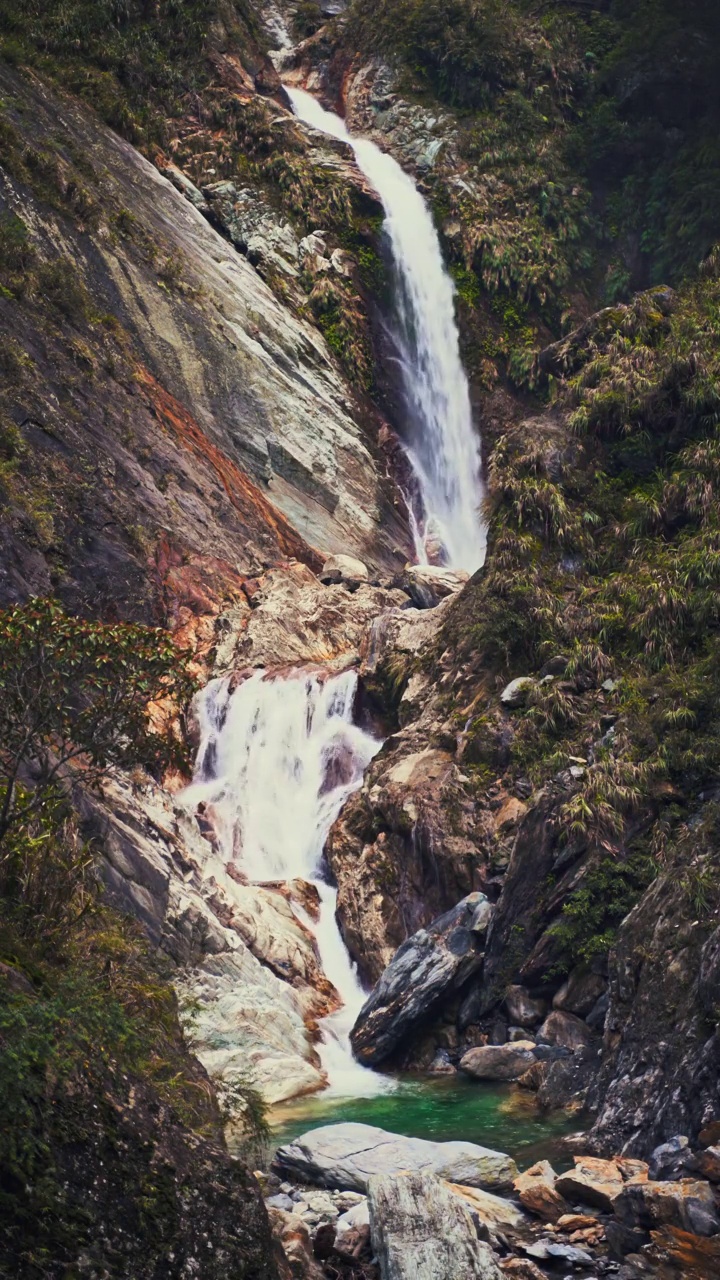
(73, 691)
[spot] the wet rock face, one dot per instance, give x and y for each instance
(424, 970)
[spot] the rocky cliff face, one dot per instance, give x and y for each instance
(205, 402)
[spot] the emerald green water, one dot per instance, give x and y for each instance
(442, 1109)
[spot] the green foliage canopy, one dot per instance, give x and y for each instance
(79, 691)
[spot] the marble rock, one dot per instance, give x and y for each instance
(420, 1231)
(347, 1155)
(423, 970)
(428, 584)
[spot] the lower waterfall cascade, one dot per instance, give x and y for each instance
(443, 446)
(278, 757)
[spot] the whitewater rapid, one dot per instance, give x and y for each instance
(442, 445)
(278, 758)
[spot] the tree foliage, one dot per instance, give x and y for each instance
(79, 693)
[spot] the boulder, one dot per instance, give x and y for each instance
(692, 1257)
(566, 1080)
(420, 1231)
(669, 1161)
(521, 1269)
(598, 1182)
(423, 970)
(522, 1008)
(592, 1181)
(347, 1155)
(580, 992)
(492, 1211)
(516, 693)
(499, 1061)
(623, 1240)
(597, 1015)
(292, 1234)
(550, 1251)
(345, 569)
(352, 1231)
(428, 584)
(707, 1163)
(565, 1030)
(689, 1204)
(537, 1192)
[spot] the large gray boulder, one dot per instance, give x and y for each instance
(428, 584)
(345, 1157)
(420, 1231)
(423, 970)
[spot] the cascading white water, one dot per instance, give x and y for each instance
(444, 449)
(278, 758)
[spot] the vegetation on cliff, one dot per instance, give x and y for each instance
(604, 564)
(585, 137)
(595, 126)
(99, 1095)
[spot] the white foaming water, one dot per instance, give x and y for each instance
(278, 758)
(444, 450)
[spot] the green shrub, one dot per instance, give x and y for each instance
(78, 691)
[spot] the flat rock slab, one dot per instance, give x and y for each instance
(345, 1157)
(420, 1231)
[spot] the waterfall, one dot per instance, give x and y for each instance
(443, 447)
(278, 758)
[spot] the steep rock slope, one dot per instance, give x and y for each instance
(124, 306)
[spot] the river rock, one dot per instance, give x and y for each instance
(347, 1155)
(521, 1269)
(352, 1231)
(294, 1237)
(580, 992)
(428, 584)
(420, 1231)
(668, 1161)
(423, 970)
(537, 1192)
(494, 1211)
(522, 1008)
(598, 1182)
(707, 1163)
(344, 569)
(499, 1061)
(565, 1030)
(689, 1204)
(551, 1251)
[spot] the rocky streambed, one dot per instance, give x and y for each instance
(357, 1201)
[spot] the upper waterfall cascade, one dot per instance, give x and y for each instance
(443, 446)
(277, 759)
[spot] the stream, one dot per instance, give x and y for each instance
(278, 758)
(280, 753)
